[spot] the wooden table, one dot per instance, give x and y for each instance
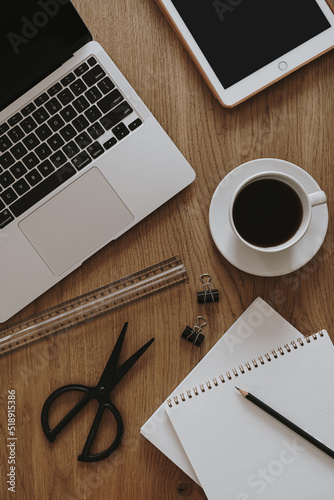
(292, 120)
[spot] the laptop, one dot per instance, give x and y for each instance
(82, 159)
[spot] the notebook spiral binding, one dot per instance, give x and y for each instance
(248, 366)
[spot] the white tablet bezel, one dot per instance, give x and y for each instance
(262, 78)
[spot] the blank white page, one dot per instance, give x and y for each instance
(239, 452)
(260, 327)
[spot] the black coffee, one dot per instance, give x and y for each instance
(267, 212)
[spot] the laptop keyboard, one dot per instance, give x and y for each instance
(58, 134)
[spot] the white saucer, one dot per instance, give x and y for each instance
(253, 261)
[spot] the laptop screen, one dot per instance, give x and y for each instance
(36, 36)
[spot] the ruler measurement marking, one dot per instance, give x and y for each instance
(94, 304)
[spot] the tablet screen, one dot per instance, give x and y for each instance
(239, 37)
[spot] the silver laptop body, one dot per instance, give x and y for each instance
(105, 177)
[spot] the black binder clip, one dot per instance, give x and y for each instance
(195, 335)
(208, 294)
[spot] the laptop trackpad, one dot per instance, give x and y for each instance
(76, 221)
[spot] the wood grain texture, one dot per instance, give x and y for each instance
(292, 120)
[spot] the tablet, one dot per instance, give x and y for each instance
(242, 46)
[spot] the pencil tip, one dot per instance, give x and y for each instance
(244, 393)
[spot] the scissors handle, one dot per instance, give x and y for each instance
(51, 434)
(86, 456)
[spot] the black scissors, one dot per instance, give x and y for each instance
(109, 379)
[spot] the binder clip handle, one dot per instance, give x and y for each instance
(209, 294)
(195, 335)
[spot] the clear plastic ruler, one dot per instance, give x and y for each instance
(94, 304)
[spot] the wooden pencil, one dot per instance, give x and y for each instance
(286, 422)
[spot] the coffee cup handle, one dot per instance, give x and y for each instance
(317, 198)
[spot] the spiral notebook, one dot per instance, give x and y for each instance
(257, 329)
(239, 452)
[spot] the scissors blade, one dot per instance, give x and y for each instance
(128, 364)
(111, 366)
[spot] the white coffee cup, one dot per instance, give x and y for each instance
(306, 202)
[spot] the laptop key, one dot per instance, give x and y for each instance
(56, 122)
(18, 170)
(6, 179)
(3, 128)
(135, 124)
(43, 132)
(68, 132)
(6, 160)
(28, 109)
(92, 61)
(55, 89)
(43, 189)
(21, 187)
(81, 104)
(71, 149)
(43, 151)
(41, 115)
(41, 99)
(46, 168)
(5, 143)
(118, 128)
(123, 133)
(8, 196)
(28, 124)
(31, 141)
(78, 87)
(30, 160)
(58, 159)
(33, 177)
(95, 150)
(68, 113)
(81, 160)
(16, 134)
(94, 75)
(67, 79)
(81, 69)
(83, 140)
(53, 106)
(116, 115)
(55, 142)
(19, 150)
(93, 94)
(106, 85)
(93, 114)
(5, 218)
(95, 130)
(65, 96)
(110, 143)
(80, 123)
(15, 119)
(110, 101)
